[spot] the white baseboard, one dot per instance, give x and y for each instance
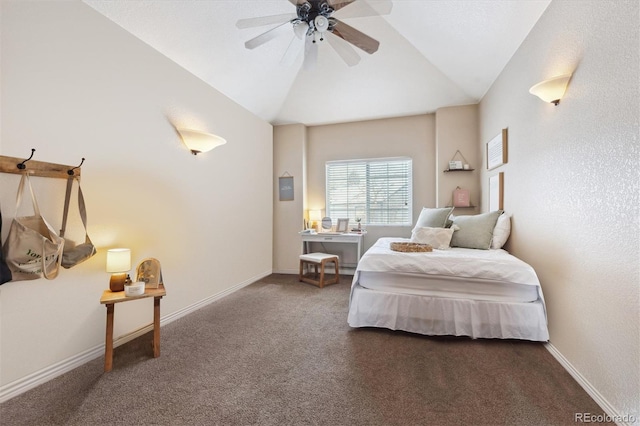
(37, 378)
(287, 271)
(587, 386)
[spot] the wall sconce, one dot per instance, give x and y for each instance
(118, 263)
(198, 141)
(551, 90)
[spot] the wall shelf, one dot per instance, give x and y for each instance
(458, 170)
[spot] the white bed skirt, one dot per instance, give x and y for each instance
(447, 316)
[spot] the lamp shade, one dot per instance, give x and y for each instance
(119, 260)
(315, 215)
(551, 90)
(198, 141)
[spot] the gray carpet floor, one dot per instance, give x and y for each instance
(280, 352)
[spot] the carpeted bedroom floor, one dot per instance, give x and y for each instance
(280, 352)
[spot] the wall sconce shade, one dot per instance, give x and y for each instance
(118, 263)
(551, 90)
(198, 141)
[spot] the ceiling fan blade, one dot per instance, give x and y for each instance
(363, 8)
(310, 53)
(265, 20)
(292, 52)
(339, 4)
(344, 49)
(266, 36)
(355, 37)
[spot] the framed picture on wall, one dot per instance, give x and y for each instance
(285, 187)
(497, 150)
(496, 192)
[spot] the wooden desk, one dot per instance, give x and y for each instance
(110, 298)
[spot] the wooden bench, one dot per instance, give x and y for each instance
(318, 259)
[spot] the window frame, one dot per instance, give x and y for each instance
(367, 209)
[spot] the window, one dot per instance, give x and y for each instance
(377, 191)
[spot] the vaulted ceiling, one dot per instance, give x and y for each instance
(432, 54)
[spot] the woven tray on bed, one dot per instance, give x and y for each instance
(411, 247)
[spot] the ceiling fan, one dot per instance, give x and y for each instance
(313, 22)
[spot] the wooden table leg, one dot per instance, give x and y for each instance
(108, 345)
(156, 327)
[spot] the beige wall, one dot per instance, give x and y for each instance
(289, 156)
(457, 130)
(74, 85)
(572, 186)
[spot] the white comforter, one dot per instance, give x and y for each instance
(495, 265)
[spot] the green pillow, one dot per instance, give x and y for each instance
(433, 218)
(474, 231)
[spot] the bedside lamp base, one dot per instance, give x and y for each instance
(117, 282)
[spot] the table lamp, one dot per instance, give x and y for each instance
(118, 263)
(315, 216)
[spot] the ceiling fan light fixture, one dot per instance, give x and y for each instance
(321, 23)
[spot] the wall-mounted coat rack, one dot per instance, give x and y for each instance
(38, 168)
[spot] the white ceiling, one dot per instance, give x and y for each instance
(433, 54)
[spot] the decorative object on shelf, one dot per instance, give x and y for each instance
(497, 150)
(285, 187)
(411, 247)
(134, 289)
(315, 217)
(149, 272)
(458, 165)
(343, 225)
(496, 192)
(118, 264)
(461, 197)
(326, 223)
(198, 141)
(551, 90)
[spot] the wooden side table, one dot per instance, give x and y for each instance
(110, 298)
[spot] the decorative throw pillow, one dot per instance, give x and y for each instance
(433, 218)
(438, 238)
(501, 231)
(475, 231)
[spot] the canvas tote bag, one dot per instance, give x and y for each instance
(5, 272)
(32, 249)
(73, 254)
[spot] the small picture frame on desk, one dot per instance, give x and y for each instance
(149, 271)
(343, 225)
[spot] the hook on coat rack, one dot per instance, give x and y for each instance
(70, 171)
(21, 166)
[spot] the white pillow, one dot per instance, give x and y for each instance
(501, 231)
(438, 238)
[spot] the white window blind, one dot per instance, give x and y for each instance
(377, 191)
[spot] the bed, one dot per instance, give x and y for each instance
(450, 291)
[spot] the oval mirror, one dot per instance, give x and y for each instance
(326, 223)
